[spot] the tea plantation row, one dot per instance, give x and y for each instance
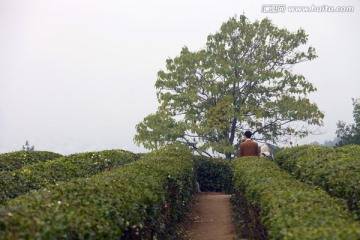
(274, 205)
(39, 174)
(15, 160)
(336, 170)
(146, 198)
(141, 200)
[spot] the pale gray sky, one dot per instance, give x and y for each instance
(78, 75)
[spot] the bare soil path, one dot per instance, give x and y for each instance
(210, 218)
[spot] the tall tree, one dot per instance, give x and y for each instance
(241, 80)
(350, 133)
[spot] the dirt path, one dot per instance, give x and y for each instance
(211, 218)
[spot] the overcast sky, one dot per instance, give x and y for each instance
(78, 75)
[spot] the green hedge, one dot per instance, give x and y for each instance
(289, 209)
(336, 170)
(138, 201)
(214, 175)
(15, 160)
(38, 175)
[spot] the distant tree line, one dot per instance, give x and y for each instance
(346, 133)
(327, 143)
(350, 133)
(27, 147)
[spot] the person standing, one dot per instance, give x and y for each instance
(266, 153)
(248, 147)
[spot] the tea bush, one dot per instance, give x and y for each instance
(141, 200)
(214, 175)
(336, 170)
(38, 175)
(289, 209)
(15, 160)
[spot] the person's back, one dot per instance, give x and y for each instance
(248, 147)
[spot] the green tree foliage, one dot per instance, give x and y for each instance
(350, 133)
(241, 80)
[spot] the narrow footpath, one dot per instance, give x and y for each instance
(211, 218)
